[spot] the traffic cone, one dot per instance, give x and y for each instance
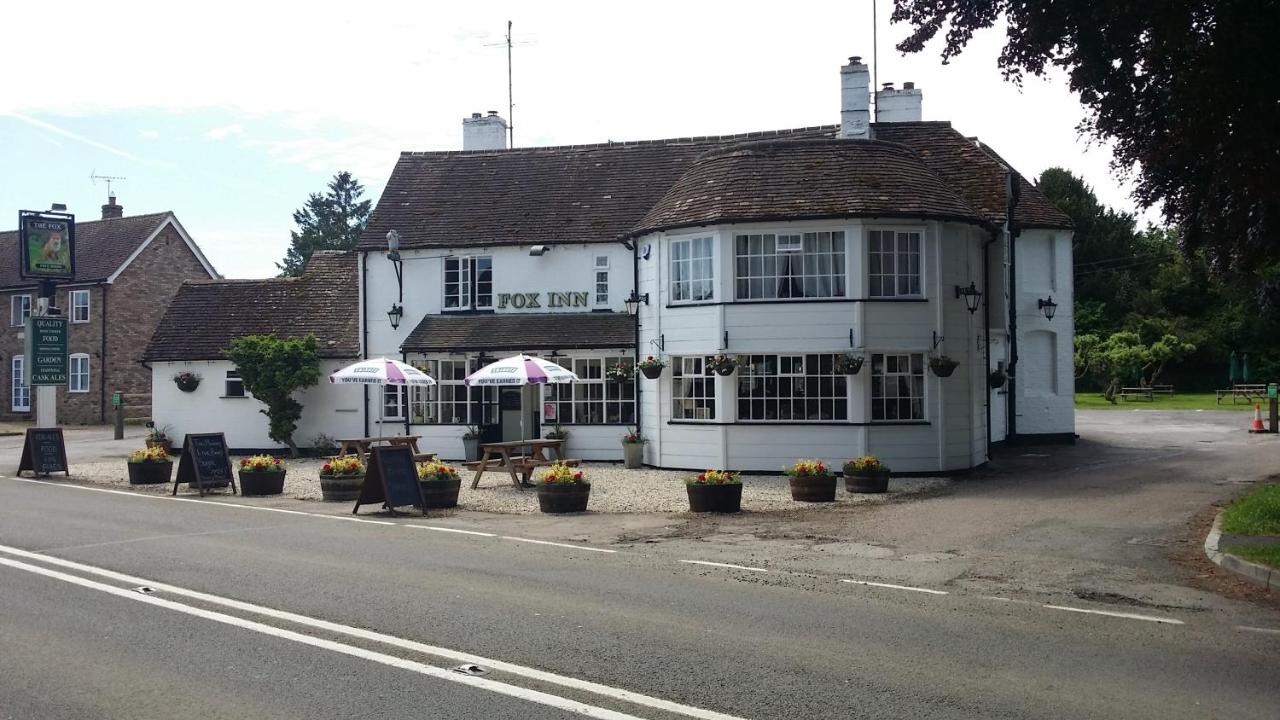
(1257, 419)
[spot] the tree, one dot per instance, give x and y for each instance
(1182, 89)
(272, 369)
(1123, 355)
(332, 221)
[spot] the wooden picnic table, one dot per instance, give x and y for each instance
(360, 446)
(499, 456)
(1250, 392)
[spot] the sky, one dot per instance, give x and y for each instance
(231, 114)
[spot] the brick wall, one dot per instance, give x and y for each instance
(133, 306)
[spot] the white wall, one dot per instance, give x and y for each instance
(330, 409)
(1045, 373)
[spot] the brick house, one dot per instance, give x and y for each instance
(127, 271)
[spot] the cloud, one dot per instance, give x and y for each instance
(226, 131)
(74, 136)
(149, 134)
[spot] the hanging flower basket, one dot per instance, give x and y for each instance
(620, 372)
(723, 365)
(942, 366)
(849, 364)
(651, 367)
(997, 379)
(187, 381)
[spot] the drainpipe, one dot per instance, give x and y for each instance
(1013, 190)
(364, 329)
(635, 289)
(102, 361)
(404, 358)
(986, 329)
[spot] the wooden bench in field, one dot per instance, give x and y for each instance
(1253, 392)
(1145, 392)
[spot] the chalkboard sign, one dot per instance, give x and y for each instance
(205, 463)
(44, 452)
(392, 479)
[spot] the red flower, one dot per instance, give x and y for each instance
(577, 475)
(327, 466)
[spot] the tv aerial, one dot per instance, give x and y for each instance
(94, 177)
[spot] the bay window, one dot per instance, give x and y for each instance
(795, 265)
(791, 388)
(897, 386)
(893, 263)
(693, 389)
(692, 270)
(468, 283)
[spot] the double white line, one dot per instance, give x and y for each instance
(8, 557)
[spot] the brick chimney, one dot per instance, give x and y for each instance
(855, 100)
(484, 132)
(899, 105)
(111, 209)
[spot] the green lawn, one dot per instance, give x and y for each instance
(1181, 401)
(1265, 554)
(1257, 513)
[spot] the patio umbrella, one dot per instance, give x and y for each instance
(1244, 369)
(520, 370)
(1233, 369)
(380, 371)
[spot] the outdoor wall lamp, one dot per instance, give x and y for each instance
(1048, 307)
(633, 303)
(539, 250)
(393, 254)
(394, 314)
(971, 296)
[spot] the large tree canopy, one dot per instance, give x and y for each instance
(332, 221)
(1185, 89)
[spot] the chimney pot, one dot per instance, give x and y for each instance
(887, 86)
(476, 115)
(493, 113)
(855, 59)
(908, 85)
(484, 132)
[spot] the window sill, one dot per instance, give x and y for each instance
(77, 392)
(800, 423)
(898, 299)
(879, 423)
(234, 397)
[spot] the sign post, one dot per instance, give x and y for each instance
(117, 403)
(46, 253)
(1273, 398)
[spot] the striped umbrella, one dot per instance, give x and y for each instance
(381, 371)
(520, 370)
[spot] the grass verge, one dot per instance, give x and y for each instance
(1181, 401)
(1265, 554)
(1257, 513)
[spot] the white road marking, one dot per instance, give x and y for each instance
(1110, 613)
(352, 650)
(724, 565)
(370, 635)
(1265, 631)
(451, 530)
(895, 587)
(558, 544)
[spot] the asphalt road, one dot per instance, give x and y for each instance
(75, 642)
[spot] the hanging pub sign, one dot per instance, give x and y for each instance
(45, 346)
(46, 245)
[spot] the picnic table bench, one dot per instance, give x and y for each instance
(1145, 392)
(524, 456)
(360, 446)
(1251, 392)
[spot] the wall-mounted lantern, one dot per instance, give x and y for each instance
(394, 315)
(1048, 307)
(633, 303)
(972, 295)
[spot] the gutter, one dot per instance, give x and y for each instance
(1012, 231)
(986, 329)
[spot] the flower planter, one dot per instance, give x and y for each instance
(653, 373)
(632, 455)
(849, 365)
(563, 497)
(440, 493)
(873, 481)
(721, 498)
(471, 448)
(167, 444)
(150, 473)
(340, 488)
(813, 488)
(997, 379)
(187, 384)
(723, 371)
(943, 367)
(255, 482)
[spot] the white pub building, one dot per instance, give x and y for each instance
(897, 241)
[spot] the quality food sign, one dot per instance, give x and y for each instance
(46, 245)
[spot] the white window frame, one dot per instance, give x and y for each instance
(763, 267)
(922, 396)
(429, 406)
(693, 389)
(467, 295)
(683, 287)
(875, 266)
(600, 281)
(233, 376)
(72, 305)
(393, 396)
(72, 385)
(19, 304)
(810, 365)
(19, 390)
(589, 400)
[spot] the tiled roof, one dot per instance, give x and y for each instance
(102, 246)
(973, 170)
(547, 195)
(206, 315)
(522, 331)
(802, 179)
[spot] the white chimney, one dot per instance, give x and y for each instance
(855, 100)
(484, 132)
(898, 105)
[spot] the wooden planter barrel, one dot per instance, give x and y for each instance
(340, 488)
(651, 372)
(873, 481)
(440, 493)
(724, 498)
(813, 488)
(150, 473)
(563, 497)
(258, 482)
